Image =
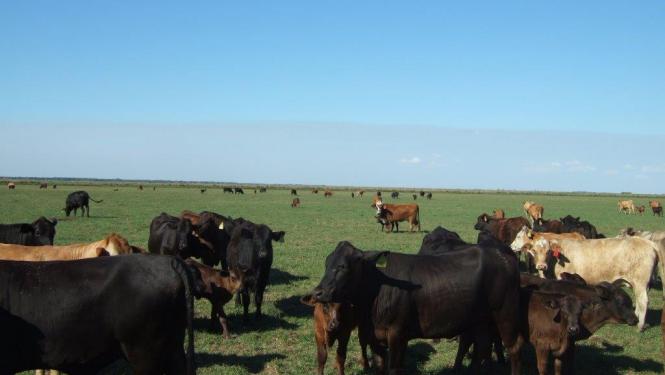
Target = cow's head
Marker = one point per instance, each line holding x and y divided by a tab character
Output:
250	245
567	311
332	312
482	222
344	271
545	253
614	305
44	230
184	236
522	239
231	281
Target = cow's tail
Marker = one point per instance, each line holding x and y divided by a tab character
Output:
186	277
99	201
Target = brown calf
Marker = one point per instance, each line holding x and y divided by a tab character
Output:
216	286
391	214
640	210
334	322
327	193
295	203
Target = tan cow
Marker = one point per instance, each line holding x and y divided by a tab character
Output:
627	207
596	260
533	211
527	236
112	244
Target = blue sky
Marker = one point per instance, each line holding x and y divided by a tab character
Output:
520	95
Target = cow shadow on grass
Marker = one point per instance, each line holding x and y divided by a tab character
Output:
292	306
237	327
590	359
653	318
253	364
416	355
279	277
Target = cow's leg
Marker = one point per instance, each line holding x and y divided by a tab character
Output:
558	366
87	209
222	320
641	303
542	358
244	299
342	343
258	298
482	350
465	341
396	348
321	348
363	349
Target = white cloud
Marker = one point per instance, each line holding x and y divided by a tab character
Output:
411	160
556	166
578	166
653	168
628	167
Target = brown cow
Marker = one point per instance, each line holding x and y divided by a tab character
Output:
505	230
499	214
43	185
532	210
390	215
218	287
656	208
334	322
295	203
549	226
113	244
327	193
315	191
11	186
640	209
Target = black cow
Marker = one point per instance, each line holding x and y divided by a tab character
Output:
294	192
439	241
170	235
79	199
394	195
40	232
228	190
263	190
573	224
215	231
429	195
249	255
403	296
422	193
238	191
135	307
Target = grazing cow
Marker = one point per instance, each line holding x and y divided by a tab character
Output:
170	235
334	322
113	244
238	191
526	237
626	207
394	195
213	233
294	192
40	232
399	296
422	193
632	259
295	203
227	190
391	214
140	187
498	214
327	193
532	210
315	191
95	326
43	185
549	226
415	196
203	191
250	256
79	199
11	186
572	224
263	190
429	195
504	230
360	193
218	287
640	209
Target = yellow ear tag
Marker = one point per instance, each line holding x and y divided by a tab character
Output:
382	262
221	226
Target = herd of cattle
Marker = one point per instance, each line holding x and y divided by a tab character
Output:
137	304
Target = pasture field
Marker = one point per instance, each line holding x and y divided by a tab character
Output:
283	342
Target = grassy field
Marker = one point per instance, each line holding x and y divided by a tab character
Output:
283	342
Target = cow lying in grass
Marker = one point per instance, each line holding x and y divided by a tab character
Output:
113	244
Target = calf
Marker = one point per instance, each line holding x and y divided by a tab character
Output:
295	203
504	230
95	325
212	231
250	256
334	322
415	196
218	287
40	232
45	253
657	211
640	209
79	199
391	214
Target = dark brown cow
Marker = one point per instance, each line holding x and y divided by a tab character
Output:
499	214
334	322
657	211
218	287
505	230
391	214
327	193
549	226
640	209
43	185
315	191
295	203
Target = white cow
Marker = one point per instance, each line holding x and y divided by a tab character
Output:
632	259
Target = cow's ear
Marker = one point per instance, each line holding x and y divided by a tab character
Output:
26	228
308	300
379	258
604	290
485	218
278	236
54	221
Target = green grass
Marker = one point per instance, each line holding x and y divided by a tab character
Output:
283	342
